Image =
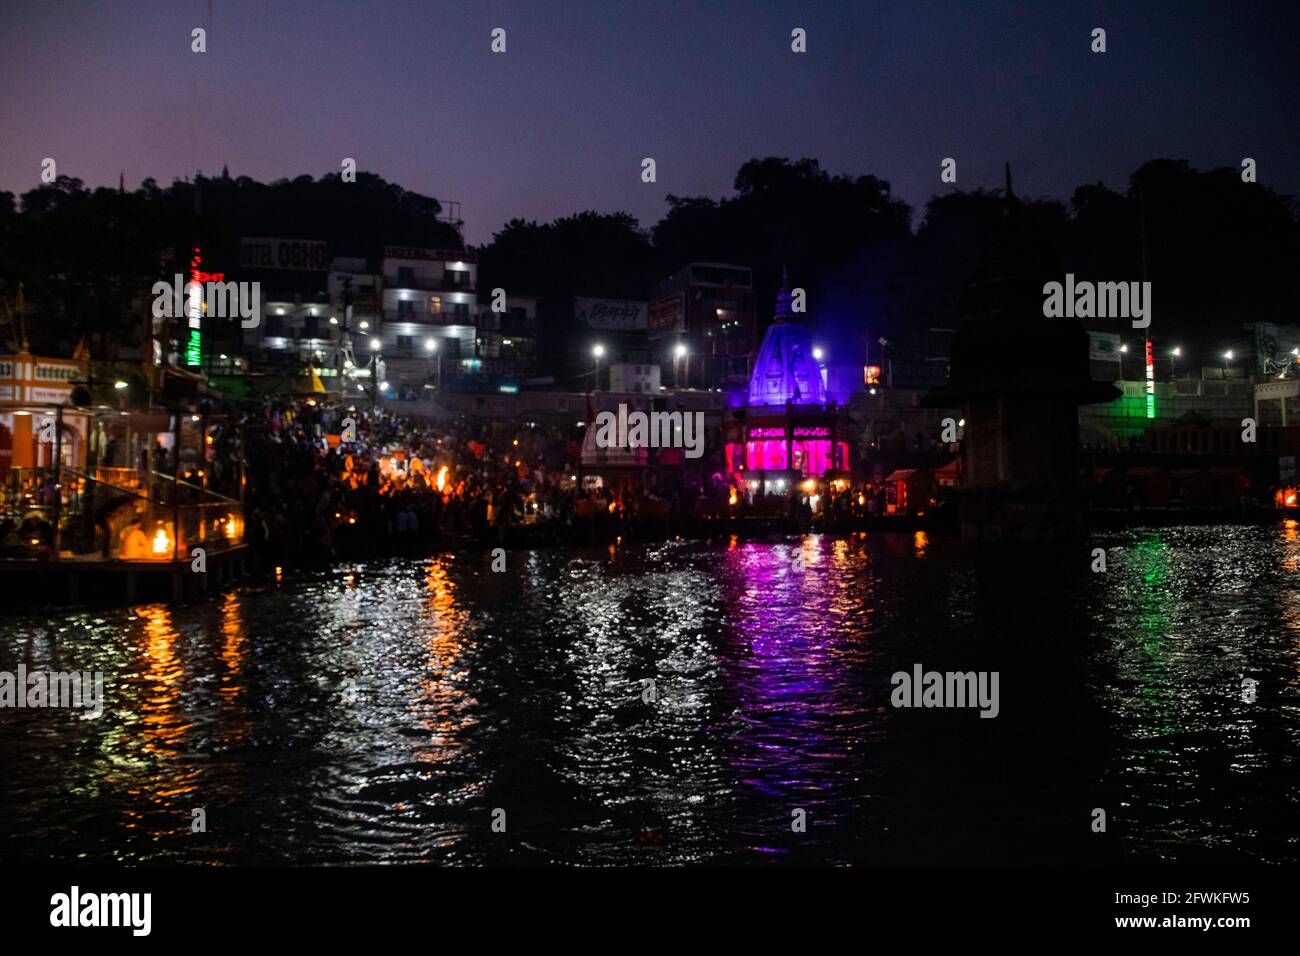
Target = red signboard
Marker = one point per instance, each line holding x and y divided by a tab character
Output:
667	316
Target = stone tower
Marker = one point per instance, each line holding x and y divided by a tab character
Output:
1019	379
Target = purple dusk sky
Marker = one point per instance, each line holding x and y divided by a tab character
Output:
561	121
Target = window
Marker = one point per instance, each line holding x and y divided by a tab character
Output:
435	305
405	307
404	343
458	278
461	310
405	274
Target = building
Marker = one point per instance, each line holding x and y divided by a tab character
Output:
510	334
429	311
785	432
702	318
32	424
636	379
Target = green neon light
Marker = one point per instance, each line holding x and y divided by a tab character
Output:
1151	405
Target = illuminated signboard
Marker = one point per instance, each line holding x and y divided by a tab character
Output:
1151	383
801	431
870	374
194	312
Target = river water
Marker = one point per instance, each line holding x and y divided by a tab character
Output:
391	711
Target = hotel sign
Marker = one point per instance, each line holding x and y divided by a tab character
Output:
430	255
297	255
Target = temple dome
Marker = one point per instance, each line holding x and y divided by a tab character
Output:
785	372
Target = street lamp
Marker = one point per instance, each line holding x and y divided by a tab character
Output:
597	351
1174	353
818	354
375	372
679	353
431	346
1123	350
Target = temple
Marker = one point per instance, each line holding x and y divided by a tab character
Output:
1019	379
786	434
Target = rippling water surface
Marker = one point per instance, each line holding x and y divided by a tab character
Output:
382	712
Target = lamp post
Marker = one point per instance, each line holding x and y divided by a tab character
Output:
1123	350
678	354
431	347
597	351
375	346
1174	353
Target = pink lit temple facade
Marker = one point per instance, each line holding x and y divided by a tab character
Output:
786	432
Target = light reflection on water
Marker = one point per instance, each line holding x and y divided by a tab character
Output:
381	712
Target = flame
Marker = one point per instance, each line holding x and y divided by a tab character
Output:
442	478
161	543
732	497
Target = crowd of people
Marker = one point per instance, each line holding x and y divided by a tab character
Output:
327	480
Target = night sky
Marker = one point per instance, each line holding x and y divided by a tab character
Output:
561	121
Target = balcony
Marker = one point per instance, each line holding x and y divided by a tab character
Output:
444	283
429	318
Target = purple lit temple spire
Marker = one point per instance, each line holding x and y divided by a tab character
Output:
785	372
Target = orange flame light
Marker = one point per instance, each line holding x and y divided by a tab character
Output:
161	542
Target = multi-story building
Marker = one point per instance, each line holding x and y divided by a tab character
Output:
429	302
510	335
703	314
